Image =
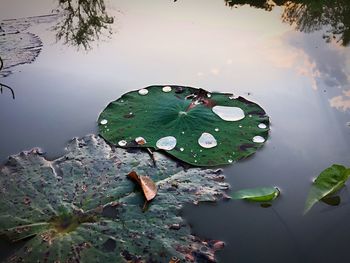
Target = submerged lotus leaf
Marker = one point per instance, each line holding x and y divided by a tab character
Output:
83	208
206	129
330	181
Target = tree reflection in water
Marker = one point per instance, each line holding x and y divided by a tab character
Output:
310	15
82	22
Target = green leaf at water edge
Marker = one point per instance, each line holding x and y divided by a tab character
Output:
83	208
328	182
261	194
187	123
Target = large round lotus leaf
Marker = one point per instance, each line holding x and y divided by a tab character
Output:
198	127
83	208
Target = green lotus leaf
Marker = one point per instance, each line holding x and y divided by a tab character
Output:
193	125
261	194
83	208
330	181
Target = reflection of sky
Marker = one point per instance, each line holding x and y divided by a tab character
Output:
326	65
225	45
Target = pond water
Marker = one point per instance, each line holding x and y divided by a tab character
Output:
299	73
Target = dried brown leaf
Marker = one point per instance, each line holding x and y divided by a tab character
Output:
148	187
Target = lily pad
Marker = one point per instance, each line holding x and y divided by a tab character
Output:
193	125
261	194
82	207
327	183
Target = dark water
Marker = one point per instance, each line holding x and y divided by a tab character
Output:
300	79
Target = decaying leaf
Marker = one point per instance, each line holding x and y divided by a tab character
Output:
148	187
327	183
193	125
82	208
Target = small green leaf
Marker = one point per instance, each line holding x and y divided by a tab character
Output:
261	194
328	182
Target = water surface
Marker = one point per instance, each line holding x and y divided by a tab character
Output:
300	79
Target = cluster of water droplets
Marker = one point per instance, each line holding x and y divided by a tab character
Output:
206	140
144	92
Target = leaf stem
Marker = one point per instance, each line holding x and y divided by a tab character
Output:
3	85
150	152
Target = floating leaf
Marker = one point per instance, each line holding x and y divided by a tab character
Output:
148	187
327	183
261	194
83	208
193	125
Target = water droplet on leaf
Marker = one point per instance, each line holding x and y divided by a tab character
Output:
166	143
122	143
103	122
207	140
182	149
166	89
143	92
258	139
262	126
229	113
217	129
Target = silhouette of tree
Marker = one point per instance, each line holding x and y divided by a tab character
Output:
310	15
82	22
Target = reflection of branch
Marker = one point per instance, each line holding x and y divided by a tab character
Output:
82	21
310	15
3	85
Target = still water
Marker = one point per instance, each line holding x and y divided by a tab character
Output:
299	73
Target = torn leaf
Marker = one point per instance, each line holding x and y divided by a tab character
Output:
82	208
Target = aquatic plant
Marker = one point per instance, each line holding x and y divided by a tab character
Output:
330	181
196	126
260	194
83	207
